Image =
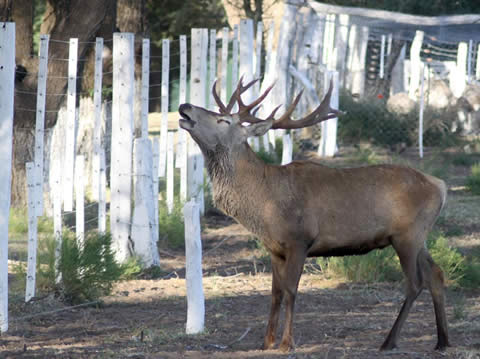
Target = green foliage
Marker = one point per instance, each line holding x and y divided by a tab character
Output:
473	181
448	258
368	120
171	225
463	159
268	157
87	270
375	266
18	222
367	156
131	268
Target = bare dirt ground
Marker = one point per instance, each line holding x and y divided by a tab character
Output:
334	318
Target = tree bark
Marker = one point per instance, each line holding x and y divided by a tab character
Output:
63	20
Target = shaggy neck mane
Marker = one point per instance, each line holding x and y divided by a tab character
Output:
232	192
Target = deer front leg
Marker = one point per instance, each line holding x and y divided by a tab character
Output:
293	270
277	297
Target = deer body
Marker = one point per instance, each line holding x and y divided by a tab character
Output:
305	209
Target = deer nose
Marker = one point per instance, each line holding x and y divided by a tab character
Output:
184	107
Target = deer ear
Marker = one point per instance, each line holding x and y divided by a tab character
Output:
259	129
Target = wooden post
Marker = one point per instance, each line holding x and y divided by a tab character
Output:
212	71
357	44
69	162
102	194
257	64
155	155
193	276
164	124
398	73
142	235
97	130
459	78
182	161
235	57
469	61
40	122
382	57
328	141
32	233
415	64
57	215
287	150
7	81
198	77
341	45
420	115
477	71
79	198
224	69
122	135
145	85
170	173
269	78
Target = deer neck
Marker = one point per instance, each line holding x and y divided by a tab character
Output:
237	178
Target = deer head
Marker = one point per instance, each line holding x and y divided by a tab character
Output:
210	129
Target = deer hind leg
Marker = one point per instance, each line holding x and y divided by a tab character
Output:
277	297
407	251
292	271
434	281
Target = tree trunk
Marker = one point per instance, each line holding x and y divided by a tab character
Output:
63	19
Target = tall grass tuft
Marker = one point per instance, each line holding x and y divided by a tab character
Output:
473	181
171	225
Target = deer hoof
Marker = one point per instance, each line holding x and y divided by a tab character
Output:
442	346
268	345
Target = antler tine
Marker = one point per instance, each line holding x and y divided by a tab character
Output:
221	106
321	113
246	108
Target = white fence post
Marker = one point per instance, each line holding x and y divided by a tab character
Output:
32	233
155	155
40	121
7	81
102	194
193	276
287	151
224	69
420	115
197	97
57	215
235	57
122	134
341	45
212	70
458	78
382	57
357	44
415	63
164	105
143	238
469	61
69	162
477	68
170	173
328	141
183	141
79	198
145	85
97	129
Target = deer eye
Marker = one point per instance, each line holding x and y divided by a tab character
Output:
220	120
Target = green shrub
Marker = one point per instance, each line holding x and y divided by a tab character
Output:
473	181
375	266
171	225
451	261
87	270
268	157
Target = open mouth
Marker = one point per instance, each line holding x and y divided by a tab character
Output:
186	122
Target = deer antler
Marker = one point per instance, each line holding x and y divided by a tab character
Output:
321	113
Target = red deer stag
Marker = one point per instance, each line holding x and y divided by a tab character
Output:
305	209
